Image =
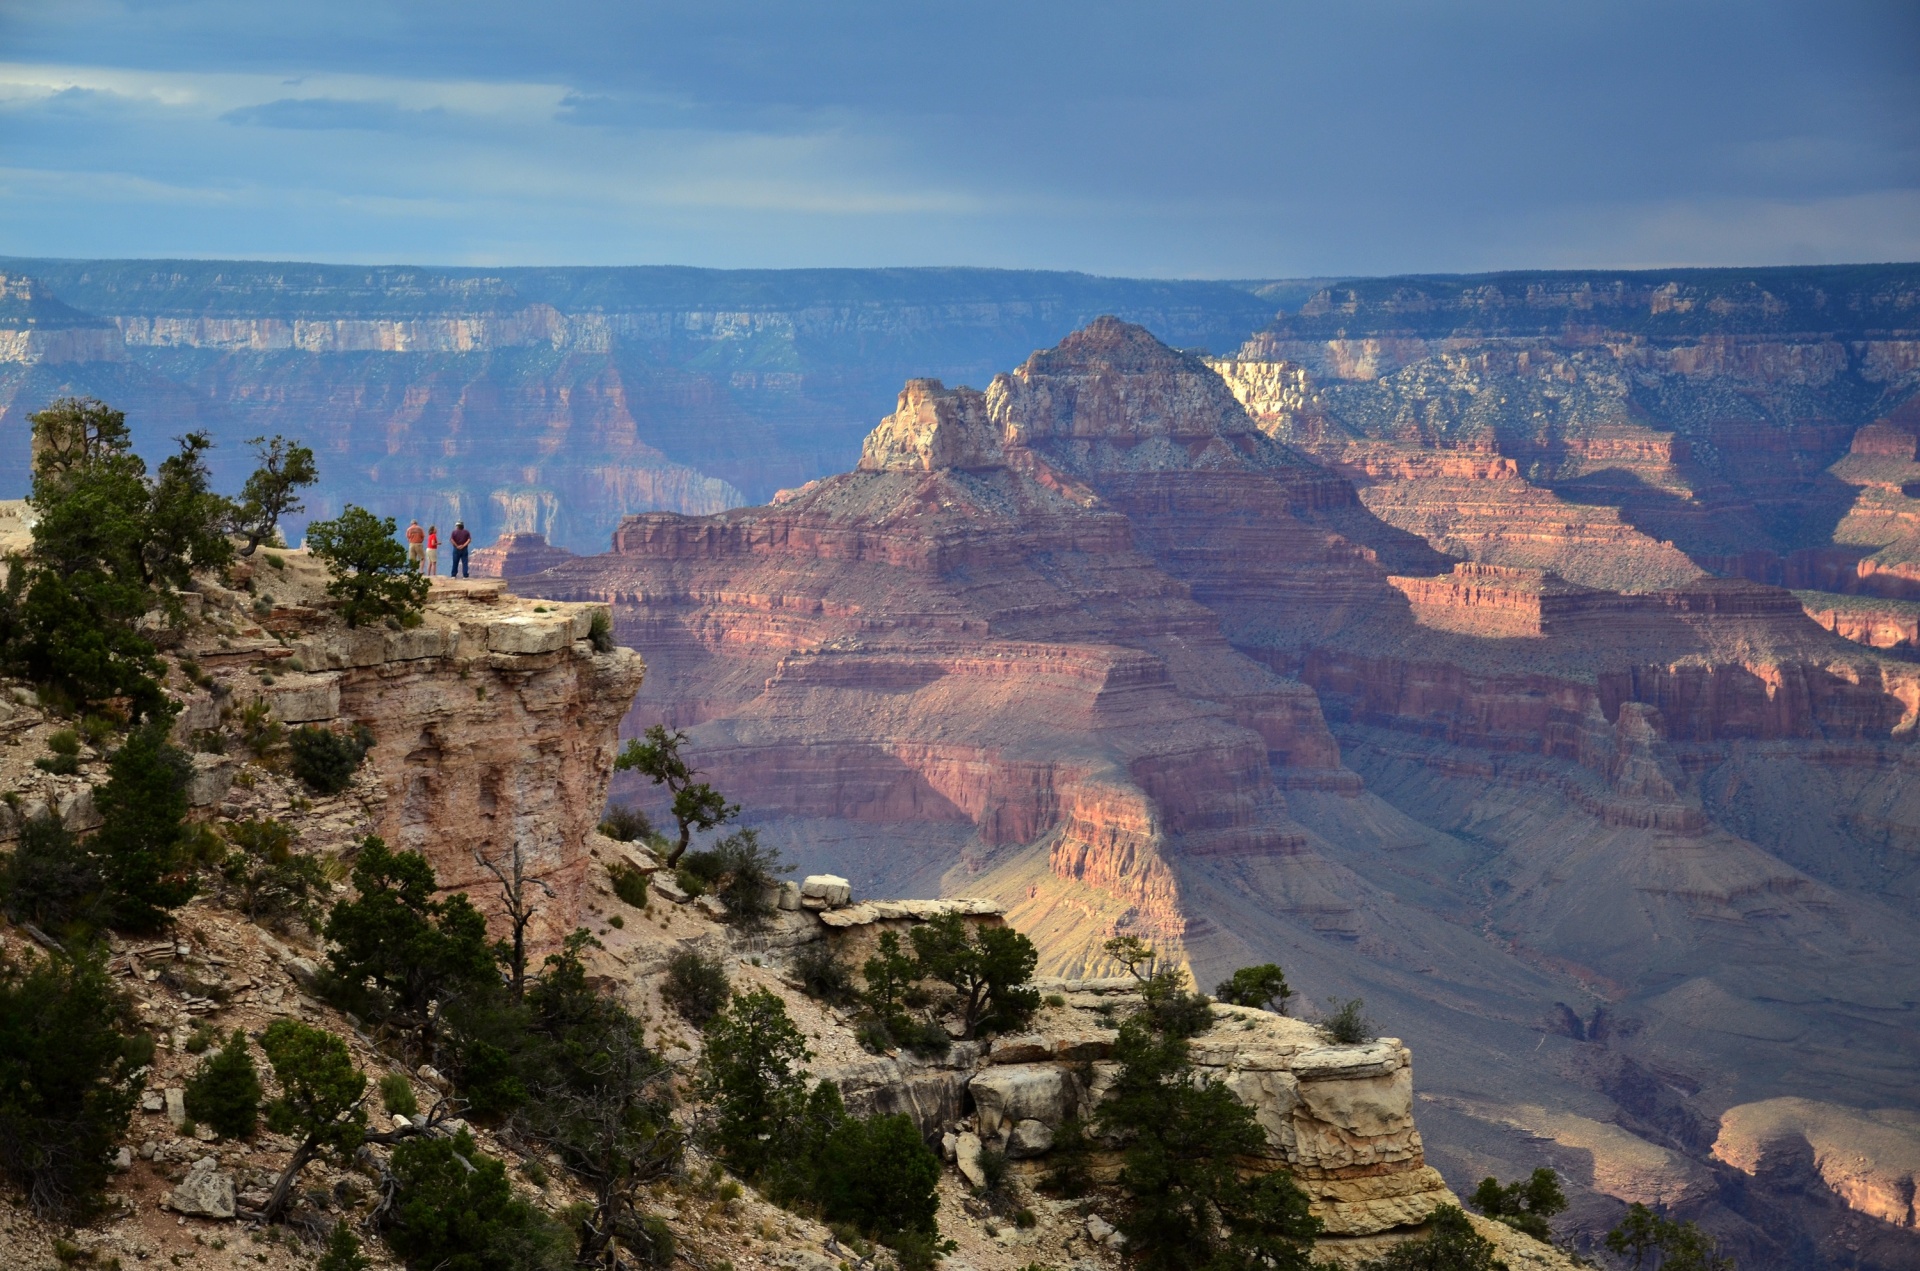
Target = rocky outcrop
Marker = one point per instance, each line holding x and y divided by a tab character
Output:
1869	1160
493	721
515	555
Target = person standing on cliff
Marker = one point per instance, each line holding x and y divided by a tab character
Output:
433	550
460	539
416	544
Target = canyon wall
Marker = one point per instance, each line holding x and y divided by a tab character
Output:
1103	644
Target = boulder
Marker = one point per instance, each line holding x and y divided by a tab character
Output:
176	1097
530	633
966	1158
303	699
789	896
1029	1138
1007	1094
664	884
830	888
713	907
212	778
1020	1048
205	1192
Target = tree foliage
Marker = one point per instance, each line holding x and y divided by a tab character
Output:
1653	1240
696	805
454	1210
1189	1208
1450	1244
325	760
395	947
1525	1205
371	575
71	1065
1263	986
988	967
740	873
319	1105
51	878
749	1073
273	491
267	880
224	1092
696	986
108	543
142	845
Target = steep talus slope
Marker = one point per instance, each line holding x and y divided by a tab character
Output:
1136	660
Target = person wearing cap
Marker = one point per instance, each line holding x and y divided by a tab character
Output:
460	540
416	544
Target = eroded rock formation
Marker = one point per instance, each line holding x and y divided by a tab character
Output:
1098	643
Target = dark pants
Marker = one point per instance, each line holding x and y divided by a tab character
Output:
459	569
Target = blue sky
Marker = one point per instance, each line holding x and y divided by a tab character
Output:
1179	140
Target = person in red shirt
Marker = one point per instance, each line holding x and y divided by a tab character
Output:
460	539
433	550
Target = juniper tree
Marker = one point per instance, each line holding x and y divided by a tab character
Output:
696	805
988	967
371	575
71	1070
273	491
1524	1206
319	1105
1189	1207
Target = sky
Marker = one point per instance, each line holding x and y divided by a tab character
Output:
1190	139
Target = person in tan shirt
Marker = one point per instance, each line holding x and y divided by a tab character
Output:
416	544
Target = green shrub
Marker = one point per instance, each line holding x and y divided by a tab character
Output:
1263	986
824	976
740	873
64	742
1451	1244
626	824
1674	1246
696	987
260	732
70	1075
1173	1009
326	760
748	1073
1524	1206
51	878
395	947
225	1091
265	878
988	967
878	1173
343	1248
1187	1202
59	765
397	1097
371	575
600	632
873	1035
629	883
454	1210
142	845
1072	1150
993	1167
1347	1025
202	1038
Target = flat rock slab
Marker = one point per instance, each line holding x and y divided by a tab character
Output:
205	1192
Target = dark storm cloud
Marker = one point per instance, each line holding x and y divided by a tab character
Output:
1222	139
